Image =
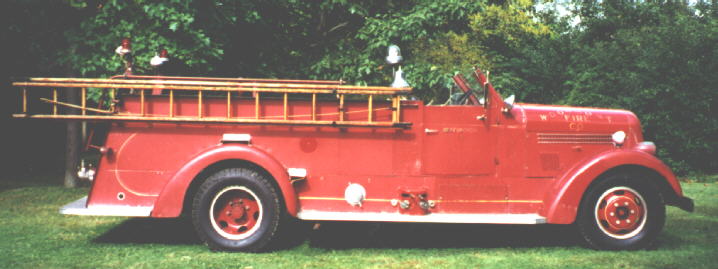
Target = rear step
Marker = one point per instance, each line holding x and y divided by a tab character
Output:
80	207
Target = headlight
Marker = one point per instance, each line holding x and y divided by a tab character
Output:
619	137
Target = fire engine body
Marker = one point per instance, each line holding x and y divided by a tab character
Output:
487	163
465	165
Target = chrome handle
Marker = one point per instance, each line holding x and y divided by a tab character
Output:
431	131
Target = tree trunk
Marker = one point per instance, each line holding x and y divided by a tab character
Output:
72	144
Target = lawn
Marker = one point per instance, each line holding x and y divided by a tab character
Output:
34	235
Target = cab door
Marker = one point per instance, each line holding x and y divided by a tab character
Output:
459	152
457	142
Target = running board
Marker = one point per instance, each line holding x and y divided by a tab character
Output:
80	207
430	218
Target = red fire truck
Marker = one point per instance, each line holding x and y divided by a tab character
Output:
244	157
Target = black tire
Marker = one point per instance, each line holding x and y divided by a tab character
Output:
237	209
621	212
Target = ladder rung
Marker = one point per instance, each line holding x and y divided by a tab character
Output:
256	105
229	104
84	101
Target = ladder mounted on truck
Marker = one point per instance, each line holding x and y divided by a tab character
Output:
238	92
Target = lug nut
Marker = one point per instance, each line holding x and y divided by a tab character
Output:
628	221
625	203
633	211
618	222
611	214
615	204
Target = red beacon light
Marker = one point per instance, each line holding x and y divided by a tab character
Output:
125	52
124	48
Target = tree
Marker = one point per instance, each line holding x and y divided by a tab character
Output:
658	60
32	36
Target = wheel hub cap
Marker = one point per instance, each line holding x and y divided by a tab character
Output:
620	212
235	212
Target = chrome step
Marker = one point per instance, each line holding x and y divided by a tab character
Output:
79	207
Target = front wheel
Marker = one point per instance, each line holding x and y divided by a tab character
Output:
621	211
237	209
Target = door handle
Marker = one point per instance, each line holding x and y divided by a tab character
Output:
431	131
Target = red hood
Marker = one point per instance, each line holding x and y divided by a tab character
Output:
566	119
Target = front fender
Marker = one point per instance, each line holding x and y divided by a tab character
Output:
170	201
562	200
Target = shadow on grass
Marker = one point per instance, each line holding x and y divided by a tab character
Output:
151	231
341	235
420	235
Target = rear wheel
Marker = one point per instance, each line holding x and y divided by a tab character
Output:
622	211
237	209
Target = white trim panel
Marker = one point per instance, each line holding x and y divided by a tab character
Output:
297	172
236	138
430	218
79	207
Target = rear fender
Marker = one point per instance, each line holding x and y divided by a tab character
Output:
562	201
171	200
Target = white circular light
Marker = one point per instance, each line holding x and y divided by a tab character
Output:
354	194
619	137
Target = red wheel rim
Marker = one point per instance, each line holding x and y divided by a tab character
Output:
621	212
236	212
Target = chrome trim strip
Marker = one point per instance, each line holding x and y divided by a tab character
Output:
430	218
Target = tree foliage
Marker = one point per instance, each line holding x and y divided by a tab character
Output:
654	58
659	61
151	25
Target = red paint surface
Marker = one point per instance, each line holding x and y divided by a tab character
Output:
467	159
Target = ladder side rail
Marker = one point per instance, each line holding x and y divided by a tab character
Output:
222	120
298	81
358	90
212	83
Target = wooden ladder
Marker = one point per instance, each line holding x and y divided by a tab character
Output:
231	87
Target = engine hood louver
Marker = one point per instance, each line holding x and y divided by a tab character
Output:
552	138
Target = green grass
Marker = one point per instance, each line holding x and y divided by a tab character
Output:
34	235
